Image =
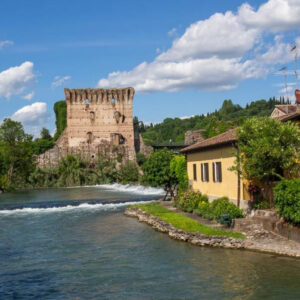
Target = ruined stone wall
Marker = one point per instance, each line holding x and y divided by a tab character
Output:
97	119
193	136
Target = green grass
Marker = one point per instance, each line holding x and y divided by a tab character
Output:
182	222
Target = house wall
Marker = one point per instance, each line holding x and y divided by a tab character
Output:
229	185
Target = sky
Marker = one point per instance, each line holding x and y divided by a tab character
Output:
183	57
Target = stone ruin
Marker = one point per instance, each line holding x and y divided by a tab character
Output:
193	136
99	122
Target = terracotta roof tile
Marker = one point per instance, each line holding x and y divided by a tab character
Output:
290	108
224	138
289	116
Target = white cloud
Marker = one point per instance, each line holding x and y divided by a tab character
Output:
33	117
274	15
29	96
6	43
15	80
157	50
172	32
60	80
216	53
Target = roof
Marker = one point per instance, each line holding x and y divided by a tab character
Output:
289	116
221	139
287	108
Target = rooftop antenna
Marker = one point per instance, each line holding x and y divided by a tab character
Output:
294	49
283	70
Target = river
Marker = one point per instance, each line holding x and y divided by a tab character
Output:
75	243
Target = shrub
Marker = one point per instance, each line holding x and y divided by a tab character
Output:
140	158
287	200
189	200
223	206
129	172
204	209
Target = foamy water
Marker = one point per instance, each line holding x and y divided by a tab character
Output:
81	207
127	188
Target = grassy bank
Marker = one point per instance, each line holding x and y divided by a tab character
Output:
182	222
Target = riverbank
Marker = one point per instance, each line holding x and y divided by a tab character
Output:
258	240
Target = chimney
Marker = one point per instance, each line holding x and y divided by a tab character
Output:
297	95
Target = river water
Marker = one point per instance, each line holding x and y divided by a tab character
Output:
75	243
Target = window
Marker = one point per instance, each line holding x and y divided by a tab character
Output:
217	171
204	172
195	172
89	137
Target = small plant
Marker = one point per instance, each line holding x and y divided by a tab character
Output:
287	200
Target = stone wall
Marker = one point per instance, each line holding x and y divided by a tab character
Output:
193	136
98	120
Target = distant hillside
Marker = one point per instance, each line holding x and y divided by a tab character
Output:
171	131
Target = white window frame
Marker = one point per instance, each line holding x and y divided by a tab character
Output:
204	172
217	171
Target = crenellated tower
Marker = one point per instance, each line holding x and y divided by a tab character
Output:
98	121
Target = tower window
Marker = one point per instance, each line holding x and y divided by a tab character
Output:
89	137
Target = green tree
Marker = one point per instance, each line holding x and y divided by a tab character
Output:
179	168
45	134
16	152
157	171
269	149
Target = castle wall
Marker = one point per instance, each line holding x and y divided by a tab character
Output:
97	119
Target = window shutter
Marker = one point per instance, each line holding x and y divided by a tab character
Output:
202	177
195	171
207	172
220	172
214	172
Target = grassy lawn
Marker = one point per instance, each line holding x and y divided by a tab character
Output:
182	222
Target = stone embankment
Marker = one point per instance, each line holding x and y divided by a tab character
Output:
257	238
181	235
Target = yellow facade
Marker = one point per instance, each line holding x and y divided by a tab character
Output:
229	185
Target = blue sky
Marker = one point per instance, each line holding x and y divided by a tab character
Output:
182	57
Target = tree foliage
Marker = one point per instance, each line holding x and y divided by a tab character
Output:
171	131
179	168
157	171
16	155
269	149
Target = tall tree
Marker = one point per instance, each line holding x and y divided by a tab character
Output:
16	149
269	150
157	171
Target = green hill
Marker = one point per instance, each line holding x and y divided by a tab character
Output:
171	131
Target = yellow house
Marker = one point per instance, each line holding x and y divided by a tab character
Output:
208	164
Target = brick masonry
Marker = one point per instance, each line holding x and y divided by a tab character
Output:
99	121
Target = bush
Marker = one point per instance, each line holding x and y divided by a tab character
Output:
287	200
189	200
204	209
129	172
140	158
223	206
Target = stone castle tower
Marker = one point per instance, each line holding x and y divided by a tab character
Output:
98	121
